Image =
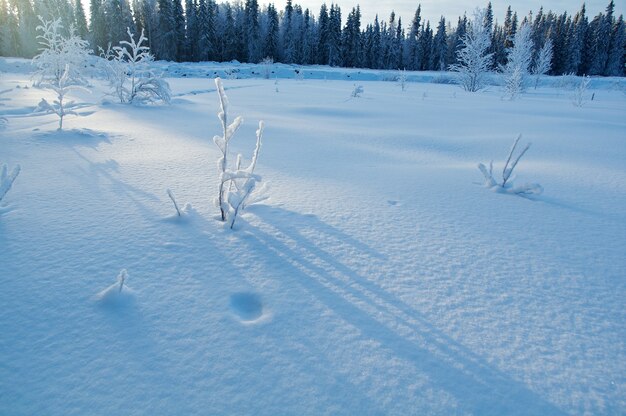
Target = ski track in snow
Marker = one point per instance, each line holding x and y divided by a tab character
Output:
378	279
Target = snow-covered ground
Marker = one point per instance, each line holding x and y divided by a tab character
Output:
380	278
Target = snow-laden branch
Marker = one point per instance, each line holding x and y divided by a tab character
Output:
506	185
238	186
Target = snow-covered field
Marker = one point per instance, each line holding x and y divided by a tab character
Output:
380	278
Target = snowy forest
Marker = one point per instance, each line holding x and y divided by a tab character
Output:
202	30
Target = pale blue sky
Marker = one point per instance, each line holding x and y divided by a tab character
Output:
451	9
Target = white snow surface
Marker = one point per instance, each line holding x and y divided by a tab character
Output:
381	277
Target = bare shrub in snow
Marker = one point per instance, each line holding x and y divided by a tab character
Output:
59	54
129	73
238	186
506	185
580	92
179	212
7	179
518	61
117	292
473	60
357	91
61	88
544	61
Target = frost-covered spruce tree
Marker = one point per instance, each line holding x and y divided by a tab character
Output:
60	106
130	75
473	58
519	57
238	186
543	64
506	185
7	179
58	53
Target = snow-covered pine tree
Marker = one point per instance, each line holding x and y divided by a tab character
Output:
440	47
252	31
98	35
473	59
270	46
322	44
81	20
334	36
601	41
617	53
413	60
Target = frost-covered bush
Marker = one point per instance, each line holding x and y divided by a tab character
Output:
130	75
519	57
7	179
238	185
61	88
506	185
580	92
59	54
357	91
266	67
402	79
473	57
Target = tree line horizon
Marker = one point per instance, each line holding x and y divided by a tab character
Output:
203	30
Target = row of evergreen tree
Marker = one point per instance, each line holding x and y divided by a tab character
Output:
203	30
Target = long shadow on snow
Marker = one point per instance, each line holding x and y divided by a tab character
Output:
478	387
103	169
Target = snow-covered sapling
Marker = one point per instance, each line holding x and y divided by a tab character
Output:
518	61
543	64
6	179
238	186
59	54
357	91
509	166
580	92
59	106
129	73
473	58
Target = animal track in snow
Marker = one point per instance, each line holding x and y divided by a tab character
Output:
248	306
